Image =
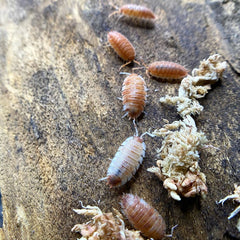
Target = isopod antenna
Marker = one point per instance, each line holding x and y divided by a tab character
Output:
115	12
148	133
172	229
135	126
144	66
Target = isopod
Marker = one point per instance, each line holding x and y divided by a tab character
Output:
134	92
126	161
143	217
122	47
166	70
135	11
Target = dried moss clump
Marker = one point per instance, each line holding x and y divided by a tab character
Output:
196	86
104	226
178	167
179	155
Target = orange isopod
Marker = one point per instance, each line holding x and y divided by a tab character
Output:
134	94
122	46
167	70
143	216
135	11
126	161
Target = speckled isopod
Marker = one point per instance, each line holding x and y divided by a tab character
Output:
135	11
143	216
126	161
134	95
122	46
166	70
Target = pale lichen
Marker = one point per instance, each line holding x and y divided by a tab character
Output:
178	166
104	226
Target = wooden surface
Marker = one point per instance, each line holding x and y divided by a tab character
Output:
61	119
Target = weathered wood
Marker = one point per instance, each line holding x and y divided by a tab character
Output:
61	119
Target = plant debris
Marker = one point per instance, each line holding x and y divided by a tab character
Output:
104	226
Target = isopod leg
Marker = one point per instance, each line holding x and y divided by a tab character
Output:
124	65
125	114
147	73
113	13
138	63
119	17
137	68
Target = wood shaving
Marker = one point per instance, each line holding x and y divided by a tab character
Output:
104	226
179	155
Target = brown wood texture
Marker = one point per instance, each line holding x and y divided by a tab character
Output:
61	119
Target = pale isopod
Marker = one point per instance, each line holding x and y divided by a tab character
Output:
167	70
126	161
122	47
134	95
135	11
143	216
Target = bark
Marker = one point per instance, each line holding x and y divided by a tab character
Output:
61	119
